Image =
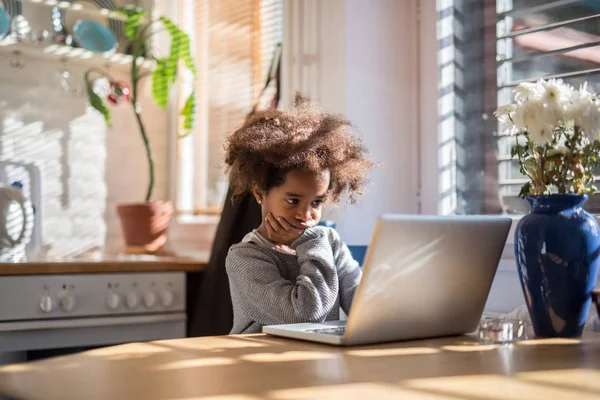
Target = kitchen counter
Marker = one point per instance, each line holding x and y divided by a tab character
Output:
109	264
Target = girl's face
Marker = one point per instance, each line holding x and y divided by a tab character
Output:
299	200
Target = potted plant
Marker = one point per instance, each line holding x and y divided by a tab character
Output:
145	224
556	129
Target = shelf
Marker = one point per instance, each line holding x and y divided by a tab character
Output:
68	5
76	55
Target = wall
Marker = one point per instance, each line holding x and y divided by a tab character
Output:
349	55
126	163
42	123
87	168
377	62
314	56
381	92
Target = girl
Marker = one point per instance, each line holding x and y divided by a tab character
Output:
290	270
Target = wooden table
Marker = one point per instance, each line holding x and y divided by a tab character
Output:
124	264
257	366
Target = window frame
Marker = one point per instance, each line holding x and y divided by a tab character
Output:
430	90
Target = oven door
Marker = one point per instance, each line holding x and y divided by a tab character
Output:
80	332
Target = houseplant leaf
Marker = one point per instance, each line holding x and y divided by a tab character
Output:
189	114
174	32
186	54
134	20
180	49
97	102
132	25
163	76
160	83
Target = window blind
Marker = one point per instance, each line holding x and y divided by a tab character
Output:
234	41
542	39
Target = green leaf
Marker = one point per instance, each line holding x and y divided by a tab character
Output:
525	189
180	48
97	102
186	54
134	19
160	83
189	114
174	32
130	9
132	25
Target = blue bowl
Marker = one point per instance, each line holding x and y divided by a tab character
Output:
4	22
94	36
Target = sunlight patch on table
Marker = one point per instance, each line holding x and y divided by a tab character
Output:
407	351
495	387
288	356
195	363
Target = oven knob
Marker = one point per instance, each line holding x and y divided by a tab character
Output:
47	304
166	298
113	301
149	299
67	303
132	300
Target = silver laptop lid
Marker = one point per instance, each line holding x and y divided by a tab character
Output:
426	276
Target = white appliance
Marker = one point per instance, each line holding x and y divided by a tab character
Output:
76	310
16	222
27	176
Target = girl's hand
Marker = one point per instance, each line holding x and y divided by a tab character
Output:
279	231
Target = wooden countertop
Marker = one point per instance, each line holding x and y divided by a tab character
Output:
106	265
251	367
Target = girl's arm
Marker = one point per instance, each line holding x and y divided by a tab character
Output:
267	298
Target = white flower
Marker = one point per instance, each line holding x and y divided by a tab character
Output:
590	124
556	92
540	133
506	109
504	114
518	117
557	97
584	111
542	107
526	91
537	119
579	103
551	112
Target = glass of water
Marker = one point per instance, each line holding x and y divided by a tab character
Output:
502	331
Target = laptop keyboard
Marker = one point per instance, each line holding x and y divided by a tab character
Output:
337	331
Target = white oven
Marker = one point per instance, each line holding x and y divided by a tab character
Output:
40	312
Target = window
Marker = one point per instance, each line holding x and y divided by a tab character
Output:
234	42
487	47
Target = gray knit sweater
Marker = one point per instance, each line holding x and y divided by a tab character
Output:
270	287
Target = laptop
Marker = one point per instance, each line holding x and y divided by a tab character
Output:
423	276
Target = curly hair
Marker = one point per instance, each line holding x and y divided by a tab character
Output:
271	143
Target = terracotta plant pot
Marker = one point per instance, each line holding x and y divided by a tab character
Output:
145	226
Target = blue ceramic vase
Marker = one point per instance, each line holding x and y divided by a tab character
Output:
556	250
